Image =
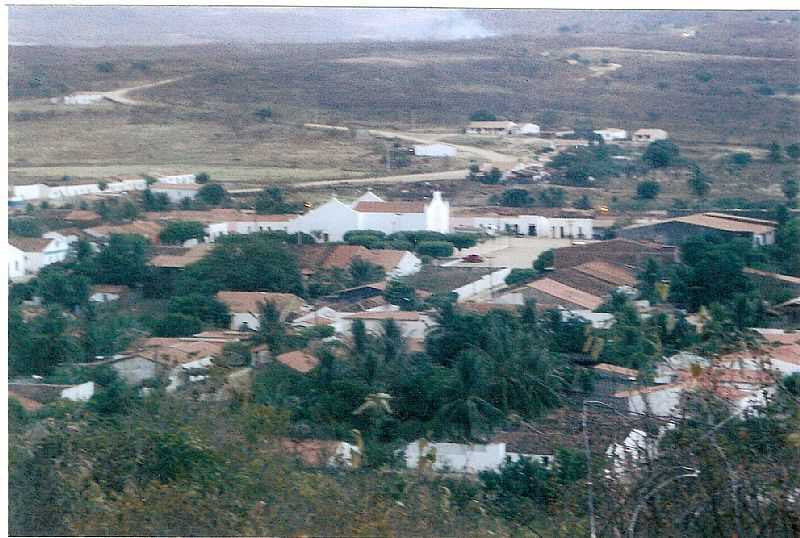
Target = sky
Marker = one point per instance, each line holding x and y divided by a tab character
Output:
141	25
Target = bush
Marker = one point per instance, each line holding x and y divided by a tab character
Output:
741	159
25	227
175	325
516	198
462	240
552	197
176	233
648	190
582	203
793	151
204	307
365	238
703	76
202	178
212	193
520	276
264	113
482	115
437	249
661	153
104	67
546	259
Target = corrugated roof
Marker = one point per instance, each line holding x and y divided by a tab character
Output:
390	207
727	223
397	315
566	293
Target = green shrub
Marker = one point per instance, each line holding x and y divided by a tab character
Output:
437	249
520	276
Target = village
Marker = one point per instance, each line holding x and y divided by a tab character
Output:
572	262
300	272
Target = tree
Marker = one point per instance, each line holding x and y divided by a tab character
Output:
39	346
516	198
253	262
493	177
364	272
582	203
212	193
271	329
264	113
176	233
648	278
401	295
661	154
741	159
271	201
361	339
699	182
544	260
466	410
552	197
462	240
175	325
775	155
25	226
437	249
202	178
392	340
123	260
104	67
791	188
206	308
520	276
482	115
647	190
793	151
155	202
55	284
102	185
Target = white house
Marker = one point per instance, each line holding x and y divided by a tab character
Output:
645	136
41	191
612	134
331	220
175	179
434	150
492	128
82	99
16	262
659	400
79	393
176	191
411	324
530	129
38	252
492	222
454	457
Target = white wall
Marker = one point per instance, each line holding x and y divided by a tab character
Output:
485	283
662	403
16	262
332	217
135	370
79	393
175	195
392	222
409	264
238	319
457	457
409	329
180	179
437	214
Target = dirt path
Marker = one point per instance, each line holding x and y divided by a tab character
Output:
121	96
697	55
491	156
408	178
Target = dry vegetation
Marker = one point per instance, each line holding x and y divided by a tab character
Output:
705	90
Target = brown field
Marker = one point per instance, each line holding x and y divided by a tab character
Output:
206	121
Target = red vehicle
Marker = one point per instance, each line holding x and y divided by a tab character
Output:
472	258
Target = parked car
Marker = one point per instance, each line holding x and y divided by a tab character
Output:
472	258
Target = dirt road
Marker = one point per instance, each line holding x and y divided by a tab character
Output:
696	55
494	157
408	178
121	96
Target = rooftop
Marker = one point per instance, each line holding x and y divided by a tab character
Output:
250	301
491	124
298	360
566	293
390	207
148	229
397	315
29	244
189	257
727	223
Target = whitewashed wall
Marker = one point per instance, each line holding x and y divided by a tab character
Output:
485	283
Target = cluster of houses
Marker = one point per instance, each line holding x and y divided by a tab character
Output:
68	191
609	135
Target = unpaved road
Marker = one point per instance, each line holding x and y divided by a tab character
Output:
491	156
697	55
121	96
408	178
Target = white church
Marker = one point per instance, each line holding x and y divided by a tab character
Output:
331	220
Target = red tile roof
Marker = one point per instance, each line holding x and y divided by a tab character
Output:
194	254
29	244
298	360
608	272
81	215
566	293
250	301
145	228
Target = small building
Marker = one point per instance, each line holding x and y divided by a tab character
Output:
520	221
411	324
455	457
435	150
245	306
619	252
106	293
530	129
676	230
176	191
396	263
496	128
612	134
552	292
646	136
28	255
147	229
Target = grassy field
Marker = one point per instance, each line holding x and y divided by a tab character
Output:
711	91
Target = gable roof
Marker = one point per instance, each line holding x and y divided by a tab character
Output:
390	207
194	254
341	256
727	223
29	244
249	301
397	315
608	272
566	293
145	228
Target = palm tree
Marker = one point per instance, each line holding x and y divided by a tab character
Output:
467	409
393	341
